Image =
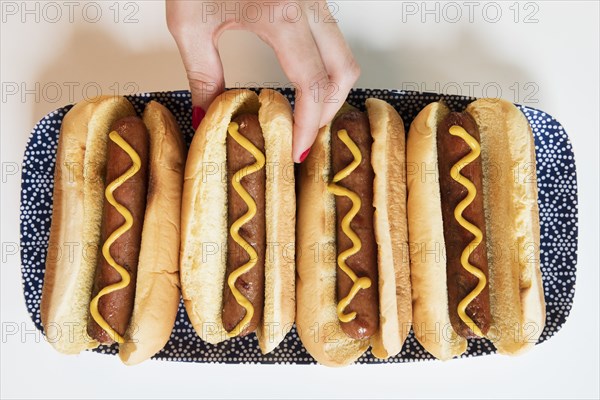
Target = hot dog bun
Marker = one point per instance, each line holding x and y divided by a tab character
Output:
204	217
316	318
76	222
512	224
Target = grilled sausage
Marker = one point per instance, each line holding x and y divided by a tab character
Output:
363	263
116	307
451	149
251	284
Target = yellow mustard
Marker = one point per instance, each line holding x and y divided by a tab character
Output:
456	130
125	277
233	130
337	190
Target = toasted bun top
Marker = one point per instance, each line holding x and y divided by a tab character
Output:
391	231
511	210
157	289
76	220
204	216
275	117
431	320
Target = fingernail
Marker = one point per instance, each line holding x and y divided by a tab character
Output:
197	116
304	155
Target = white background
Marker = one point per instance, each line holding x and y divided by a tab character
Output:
553	61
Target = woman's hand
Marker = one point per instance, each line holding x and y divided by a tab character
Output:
306	40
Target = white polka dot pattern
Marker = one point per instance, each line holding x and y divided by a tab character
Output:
558	217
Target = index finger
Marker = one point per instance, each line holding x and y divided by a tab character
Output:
301	61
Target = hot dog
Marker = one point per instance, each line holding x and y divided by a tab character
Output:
238	236
353	288
470	217
123	196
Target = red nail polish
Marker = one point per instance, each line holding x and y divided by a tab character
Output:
197	116
304	155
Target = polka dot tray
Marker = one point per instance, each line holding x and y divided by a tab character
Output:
557	183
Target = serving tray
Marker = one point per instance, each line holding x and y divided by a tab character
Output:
557	183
